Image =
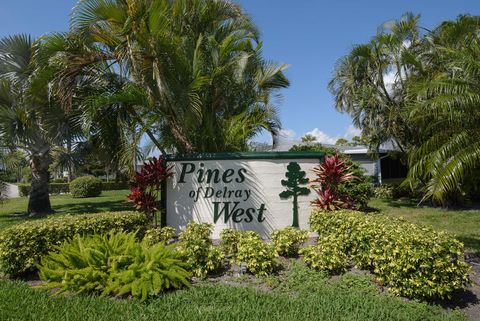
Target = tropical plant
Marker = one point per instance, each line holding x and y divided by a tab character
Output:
147	185
200	80
446	109
370	83
160	235
27	115
329	175
113	264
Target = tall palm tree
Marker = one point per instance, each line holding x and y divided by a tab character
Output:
198	63
370	82
24	116
446	107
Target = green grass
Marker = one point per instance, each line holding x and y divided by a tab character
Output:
13	210
465	224
302	295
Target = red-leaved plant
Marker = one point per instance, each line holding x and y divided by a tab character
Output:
330	174
146	187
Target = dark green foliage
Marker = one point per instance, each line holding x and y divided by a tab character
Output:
295	178
197	249
86	186
62	188
22	246
410	260
113	264
359	190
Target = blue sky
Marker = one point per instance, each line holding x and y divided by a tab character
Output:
309	35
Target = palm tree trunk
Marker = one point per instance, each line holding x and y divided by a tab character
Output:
39	200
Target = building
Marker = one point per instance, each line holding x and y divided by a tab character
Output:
383	168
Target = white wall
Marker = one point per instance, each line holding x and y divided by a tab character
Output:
262	185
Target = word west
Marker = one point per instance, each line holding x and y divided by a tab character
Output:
236	213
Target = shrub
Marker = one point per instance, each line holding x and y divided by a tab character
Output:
258	255
411	260
197	249
359	190
229	239
54	188
86	186
384	191
113	264
22	246
160	235
287	241
146	187
63	188
327	255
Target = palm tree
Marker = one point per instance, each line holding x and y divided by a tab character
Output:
447	110
24	116
369	82
205	84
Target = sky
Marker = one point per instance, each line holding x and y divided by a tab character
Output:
308	35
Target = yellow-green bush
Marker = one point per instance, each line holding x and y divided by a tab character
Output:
160	235
229	239
196	248
258	255
411	260
113	264
22	246
287	241
327	255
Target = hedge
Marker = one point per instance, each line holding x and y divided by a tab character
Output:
62	188
85	186
22	246
411	260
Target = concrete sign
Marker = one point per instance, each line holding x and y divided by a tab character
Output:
245	191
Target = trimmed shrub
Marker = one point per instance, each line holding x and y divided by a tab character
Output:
63	188
327	255
197	250
287	241
160	235
54	188
410	260
22	246
113	264
86	186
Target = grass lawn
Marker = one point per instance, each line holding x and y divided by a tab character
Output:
465	224
302	294
12	211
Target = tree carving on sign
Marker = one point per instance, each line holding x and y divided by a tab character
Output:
295	177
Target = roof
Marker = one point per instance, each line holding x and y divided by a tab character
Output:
285	145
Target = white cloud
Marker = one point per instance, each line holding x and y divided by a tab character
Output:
287	134
322	137
352	131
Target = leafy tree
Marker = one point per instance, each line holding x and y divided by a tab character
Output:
295	178
307	138
341	141
198	78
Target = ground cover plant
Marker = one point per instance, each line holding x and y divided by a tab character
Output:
113	264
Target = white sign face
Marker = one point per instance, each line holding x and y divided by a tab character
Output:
262	195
